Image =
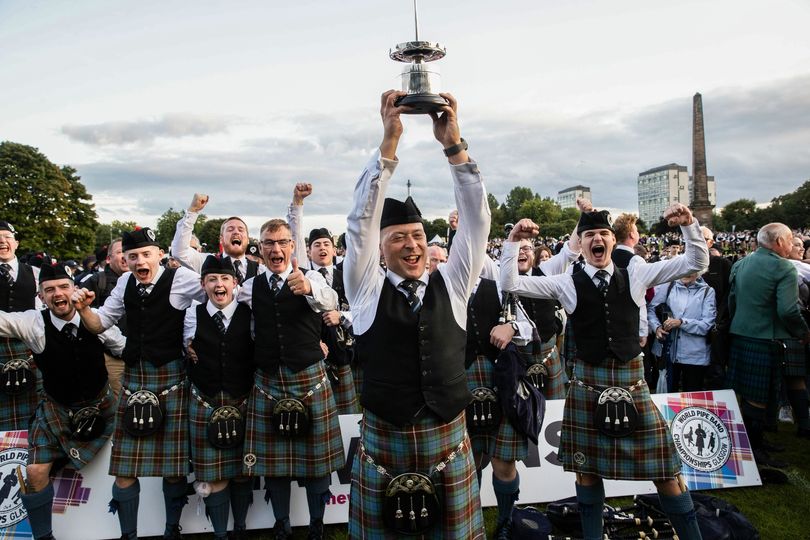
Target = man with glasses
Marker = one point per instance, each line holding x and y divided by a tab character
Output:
292	428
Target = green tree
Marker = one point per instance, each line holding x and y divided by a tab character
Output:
514	200
541	211
437	226
107	232
740	213
48	205
167	225
498	220
209	234
792	209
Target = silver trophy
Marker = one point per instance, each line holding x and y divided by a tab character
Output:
420	79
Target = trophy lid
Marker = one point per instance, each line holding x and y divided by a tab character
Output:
410	50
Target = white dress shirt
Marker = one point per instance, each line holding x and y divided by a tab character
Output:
190	322
29	327
321	298
362	275
14	270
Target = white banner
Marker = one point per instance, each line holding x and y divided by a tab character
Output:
707	429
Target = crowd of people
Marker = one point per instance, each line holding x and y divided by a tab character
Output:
236	365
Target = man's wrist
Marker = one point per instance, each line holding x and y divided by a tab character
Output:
456	147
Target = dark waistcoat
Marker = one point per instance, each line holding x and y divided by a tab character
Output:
224	362
72	371
339	354
412	361
483	312
287	331
154	326
542	312
621	257
21	295
605	325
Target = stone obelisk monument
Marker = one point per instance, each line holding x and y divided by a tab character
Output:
701	206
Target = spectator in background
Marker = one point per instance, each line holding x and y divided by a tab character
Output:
436	255
541	255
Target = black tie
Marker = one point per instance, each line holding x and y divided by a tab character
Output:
143	290
274	279
602	277
411	286
325	273
5	272
67	330
219	320
237	265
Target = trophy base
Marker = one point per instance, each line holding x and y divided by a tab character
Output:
421	103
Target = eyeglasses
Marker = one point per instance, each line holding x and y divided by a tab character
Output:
284	242
526	249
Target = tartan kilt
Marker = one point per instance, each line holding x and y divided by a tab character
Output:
17	412
345	394
755	368
50	440
415	448
646	454
209	463
166	453
315	455
546	352
357	375
505	443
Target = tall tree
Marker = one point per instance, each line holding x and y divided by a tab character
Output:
107	232
209	234
167	225
514	200
741	214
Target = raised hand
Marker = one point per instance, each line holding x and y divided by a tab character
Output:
524	230
584	205
392	124
198	202
678	214
82	299
297	282
301	191
445	127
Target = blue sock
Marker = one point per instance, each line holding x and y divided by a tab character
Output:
39	506
681	513
241	499
175	497
506	493
217	507
125	502
279	491
591	502
317	495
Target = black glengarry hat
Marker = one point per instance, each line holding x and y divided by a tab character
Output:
398	213
6	226
589	221
217	265
318	234
50	272
139	238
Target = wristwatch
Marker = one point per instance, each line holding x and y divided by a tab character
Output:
456	148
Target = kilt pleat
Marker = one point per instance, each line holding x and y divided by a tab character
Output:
166	453
756	366
50	439
505	443
345	394
210	463
646	454
415	448
315	455
17	412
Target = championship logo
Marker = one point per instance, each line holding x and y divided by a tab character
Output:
11	507
701	438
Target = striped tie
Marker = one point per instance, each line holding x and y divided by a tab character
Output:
602	277
219	320
411	286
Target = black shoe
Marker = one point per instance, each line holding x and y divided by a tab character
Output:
174	533
771	447
772	476
315	530
765	460
504	530
282	530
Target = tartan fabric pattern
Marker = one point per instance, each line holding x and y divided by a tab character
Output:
49	438
415	448
357	375
555	382
166	453
646	454
16	412
315	455
505	443
209	463
756	368
345	394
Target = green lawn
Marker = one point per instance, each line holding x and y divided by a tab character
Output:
779	512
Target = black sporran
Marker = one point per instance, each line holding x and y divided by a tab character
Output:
411	505
87	424
615	414
291	417
226	427
143	415
484	412
17	377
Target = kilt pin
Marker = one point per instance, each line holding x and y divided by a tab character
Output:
415	448
166	453
315	455
647	454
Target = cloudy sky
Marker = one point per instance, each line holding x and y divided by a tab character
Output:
152	101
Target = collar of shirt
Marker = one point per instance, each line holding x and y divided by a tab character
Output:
243	260
626	248
15	266
330	268
283	275
159	273
60	323
592	270
228	310
396	279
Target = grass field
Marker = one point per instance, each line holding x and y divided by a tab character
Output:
778	512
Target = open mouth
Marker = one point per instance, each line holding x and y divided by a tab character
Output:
522	258
236	241
60	303
412	260
220	294
275	261
142	273
598	251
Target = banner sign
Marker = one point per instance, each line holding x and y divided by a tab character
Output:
706	427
